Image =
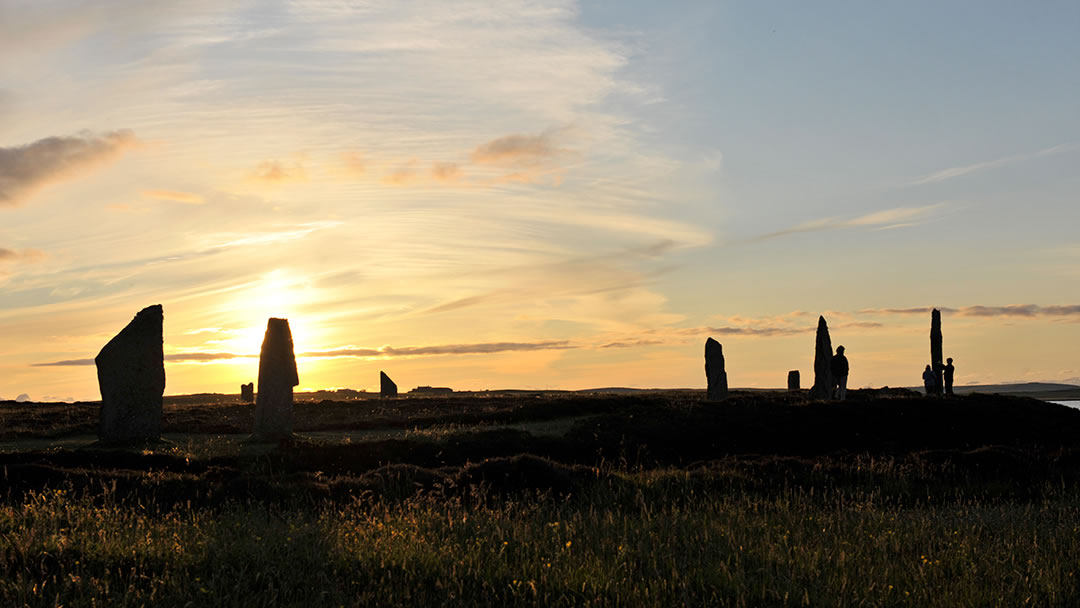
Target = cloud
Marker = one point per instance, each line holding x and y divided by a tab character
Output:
631	343
402	175
361	353
275	171
25	256
898	217
446	172
26	169
354	163
174	196
516	150
1026	311
448	349
946	174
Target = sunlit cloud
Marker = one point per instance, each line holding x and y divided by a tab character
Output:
447	172
276	171
174	196
516	150
26	169
28	256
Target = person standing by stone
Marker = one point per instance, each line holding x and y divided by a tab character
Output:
277	377
948	371
929	379
839	368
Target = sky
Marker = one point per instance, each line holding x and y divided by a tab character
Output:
533	194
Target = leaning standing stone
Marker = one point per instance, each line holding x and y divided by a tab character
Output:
131	376
715	373
277	377
387	387
823	380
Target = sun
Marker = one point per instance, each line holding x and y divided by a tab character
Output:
275	294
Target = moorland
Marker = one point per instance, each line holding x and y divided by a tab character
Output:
641	499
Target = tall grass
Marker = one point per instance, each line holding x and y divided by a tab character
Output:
654	539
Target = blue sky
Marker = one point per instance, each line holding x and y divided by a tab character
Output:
539	194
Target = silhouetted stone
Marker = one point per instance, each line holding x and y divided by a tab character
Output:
936	356
247	392
793	380
131	376
823	380
714	369
387	388
277	377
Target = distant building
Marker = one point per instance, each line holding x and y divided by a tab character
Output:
431	390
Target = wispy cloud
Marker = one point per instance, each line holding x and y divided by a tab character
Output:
26	169
187	198
1029	311
897	217
358	353
952	172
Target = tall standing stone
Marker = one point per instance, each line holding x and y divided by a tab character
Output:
793	380
247	392
936	357
387	388
823	380
715	373
277	377
131	376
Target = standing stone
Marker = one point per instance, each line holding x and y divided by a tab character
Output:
823	353
131	376
793	380
714	370
277	377
936	358
247	392
387	388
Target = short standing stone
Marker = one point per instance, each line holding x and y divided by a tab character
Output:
793	380
387	388
131	375
247	392
277	377
823	380
715	373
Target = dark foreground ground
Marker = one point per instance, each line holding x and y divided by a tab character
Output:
645	499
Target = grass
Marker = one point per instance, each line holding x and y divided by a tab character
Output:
620	502
654	539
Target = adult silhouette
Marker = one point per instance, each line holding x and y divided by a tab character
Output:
948	370
839	367
929	379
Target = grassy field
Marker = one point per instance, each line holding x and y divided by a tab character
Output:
663	500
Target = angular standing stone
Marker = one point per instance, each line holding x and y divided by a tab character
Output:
247	392
793	380
131	375
277	377
936	357
387	388
715	373
823	353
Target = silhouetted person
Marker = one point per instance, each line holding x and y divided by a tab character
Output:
839	367
929	379
948	369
